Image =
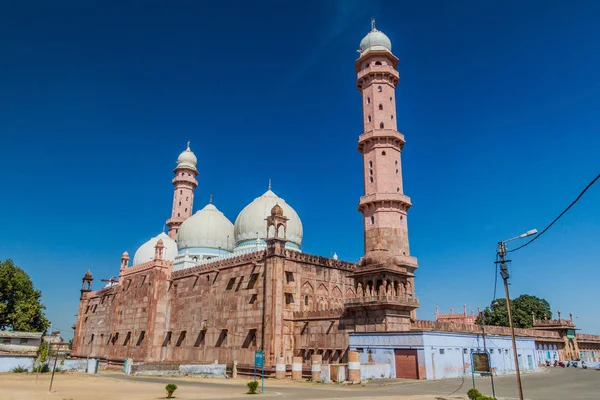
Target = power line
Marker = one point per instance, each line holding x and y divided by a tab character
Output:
559	216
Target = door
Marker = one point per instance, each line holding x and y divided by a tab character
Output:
406	364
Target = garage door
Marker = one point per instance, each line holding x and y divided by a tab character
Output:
406	364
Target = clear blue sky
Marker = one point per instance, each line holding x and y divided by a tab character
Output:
498	102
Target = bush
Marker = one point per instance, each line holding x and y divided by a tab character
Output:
475	394
170	388
252	386
42	368
18	369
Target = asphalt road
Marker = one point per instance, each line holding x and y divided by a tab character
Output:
551	384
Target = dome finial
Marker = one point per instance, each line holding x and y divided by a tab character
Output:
269	183
210	199
188	143
373	28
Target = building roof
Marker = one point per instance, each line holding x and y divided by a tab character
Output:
21	335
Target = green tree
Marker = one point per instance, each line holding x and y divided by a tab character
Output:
522	308
20	306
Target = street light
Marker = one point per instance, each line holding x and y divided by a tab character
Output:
504	273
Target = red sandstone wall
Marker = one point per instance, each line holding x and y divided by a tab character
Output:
111	321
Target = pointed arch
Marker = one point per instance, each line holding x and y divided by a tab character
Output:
336	293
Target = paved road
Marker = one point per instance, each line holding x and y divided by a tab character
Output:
552	384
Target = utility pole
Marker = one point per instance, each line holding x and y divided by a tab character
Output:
505	276
482	323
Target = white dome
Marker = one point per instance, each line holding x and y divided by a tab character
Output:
146	251
187	158
207	228
252	220
375	40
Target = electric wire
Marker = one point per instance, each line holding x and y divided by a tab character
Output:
559	216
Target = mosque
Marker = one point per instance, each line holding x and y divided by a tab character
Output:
210	289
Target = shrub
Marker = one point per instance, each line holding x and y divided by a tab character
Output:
252	386
475	394
42	368
18	369
170	388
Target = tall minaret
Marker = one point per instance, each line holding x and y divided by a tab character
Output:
387	266
183	198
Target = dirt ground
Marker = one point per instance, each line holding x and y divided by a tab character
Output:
79	386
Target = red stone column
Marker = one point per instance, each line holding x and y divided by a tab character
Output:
297	368
353	366
315	367
280	368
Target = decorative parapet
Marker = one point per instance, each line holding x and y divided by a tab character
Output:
315	315
101	292
217	263
421	325
164	264
401	302
585	337
547	323
319	260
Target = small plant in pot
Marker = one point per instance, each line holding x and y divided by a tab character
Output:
170	388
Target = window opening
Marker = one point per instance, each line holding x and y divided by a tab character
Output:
380	107
252	281
180	339
289	298
127	339
372	220
167	340
381	125
289	277
379	88
141	338
250	339
230	284
222	338
200	338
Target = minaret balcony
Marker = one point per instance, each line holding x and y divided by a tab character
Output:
385	137
382	198
404	303
379	69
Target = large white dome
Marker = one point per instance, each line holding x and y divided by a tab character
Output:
187	159
375	40
206	229
146	251
252	220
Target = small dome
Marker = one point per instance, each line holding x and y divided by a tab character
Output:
206	229
187	159
375	40
145	253
251	221
88	274
277	211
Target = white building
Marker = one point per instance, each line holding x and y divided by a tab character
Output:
438	355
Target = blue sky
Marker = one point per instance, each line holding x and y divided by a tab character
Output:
498	102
